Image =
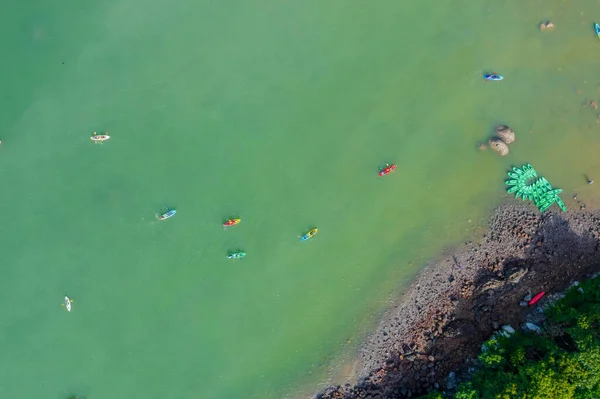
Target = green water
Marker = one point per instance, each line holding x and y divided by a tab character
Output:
281	113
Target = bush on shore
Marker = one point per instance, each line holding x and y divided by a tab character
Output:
561	363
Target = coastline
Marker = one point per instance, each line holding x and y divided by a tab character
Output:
438	324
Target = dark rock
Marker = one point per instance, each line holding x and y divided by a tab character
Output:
451	381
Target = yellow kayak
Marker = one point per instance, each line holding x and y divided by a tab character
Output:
309	234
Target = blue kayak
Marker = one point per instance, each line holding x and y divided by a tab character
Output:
493	76
597	28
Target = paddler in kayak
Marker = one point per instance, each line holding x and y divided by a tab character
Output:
99	138
236	255
492	76
387	169
231	222
310	234
67	303
167	214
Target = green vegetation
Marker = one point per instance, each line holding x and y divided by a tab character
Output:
561	363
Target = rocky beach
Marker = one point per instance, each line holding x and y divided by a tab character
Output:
436	328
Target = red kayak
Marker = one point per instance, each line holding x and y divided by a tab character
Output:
388	169
536	298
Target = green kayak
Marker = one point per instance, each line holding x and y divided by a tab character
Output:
236	255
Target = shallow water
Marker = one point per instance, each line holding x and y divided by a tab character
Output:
277	112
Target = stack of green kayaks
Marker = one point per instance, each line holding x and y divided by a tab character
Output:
525	184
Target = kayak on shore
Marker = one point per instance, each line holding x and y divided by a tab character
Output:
310	234
168	214
387	169
231	222
536	298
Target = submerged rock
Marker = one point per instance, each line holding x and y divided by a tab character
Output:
498	146
546	25
506	134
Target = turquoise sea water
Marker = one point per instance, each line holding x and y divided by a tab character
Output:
277	112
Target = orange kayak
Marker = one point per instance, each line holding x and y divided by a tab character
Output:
387	170
231	222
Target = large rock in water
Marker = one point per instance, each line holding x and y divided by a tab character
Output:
499	146
506	134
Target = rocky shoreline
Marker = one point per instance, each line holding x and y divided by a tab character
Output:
454	305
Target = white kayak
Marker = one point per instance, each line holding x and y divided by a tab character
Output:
68	304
